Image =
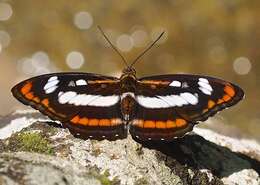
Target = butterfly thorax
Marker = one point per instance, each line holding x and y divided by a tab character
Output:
128	88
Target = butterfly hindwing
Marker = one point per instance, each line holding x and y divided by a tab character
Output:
170	105
88	104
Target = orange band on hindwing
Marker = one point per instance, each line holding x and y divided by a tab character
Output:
152	124
95	122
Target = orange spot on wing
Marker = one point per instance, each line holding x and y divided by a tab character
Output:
229	90
115	121
138	123
170	124
180	122
211	104
75	119
160	124
104	122
83	121
93	122
226	98
36	99
45	102
220	101
29	95
26	88
149	124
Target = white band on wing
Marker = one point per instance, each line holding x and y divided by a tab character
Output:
168	101
72	97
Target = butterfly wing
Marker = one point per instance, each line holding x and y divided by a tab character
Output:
87	104
170	105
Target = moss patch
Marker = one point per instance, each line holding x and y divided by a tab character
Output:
104	177
34	142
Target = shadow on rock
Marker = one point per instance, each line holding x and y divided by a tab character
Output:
198	153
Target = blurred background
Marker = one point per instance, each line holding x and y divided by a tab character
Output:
218	38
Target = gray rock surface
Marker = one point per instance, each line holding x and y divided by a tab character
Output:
40	152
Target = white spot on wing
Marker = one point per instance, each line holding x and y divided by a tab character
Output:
205	91
175	84
192	99
204	86
174	100
179	101
151	102
71	84
105	101
53	78
51	84
168	101
81	82
51	89
77	100
184	85
71	97
60	93
67	96
87	98
203	80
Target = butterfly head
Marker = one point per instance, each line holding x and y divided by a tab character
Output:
128	72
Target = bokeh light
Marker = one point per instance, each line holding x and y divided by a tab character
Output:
25	66
83	20
4	38
75	60
242	65
5	11
140	38
41	58
124	42
38	64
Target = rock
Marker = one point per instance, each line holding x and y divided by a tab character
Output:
44	153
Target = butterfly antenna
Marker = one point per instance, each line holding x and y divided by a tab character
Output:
148	48
123	58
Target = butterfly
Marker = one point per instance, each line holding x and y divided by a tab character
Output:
94	106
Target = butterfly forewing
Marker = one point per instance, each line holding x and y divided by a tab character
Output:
88	104
170	105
